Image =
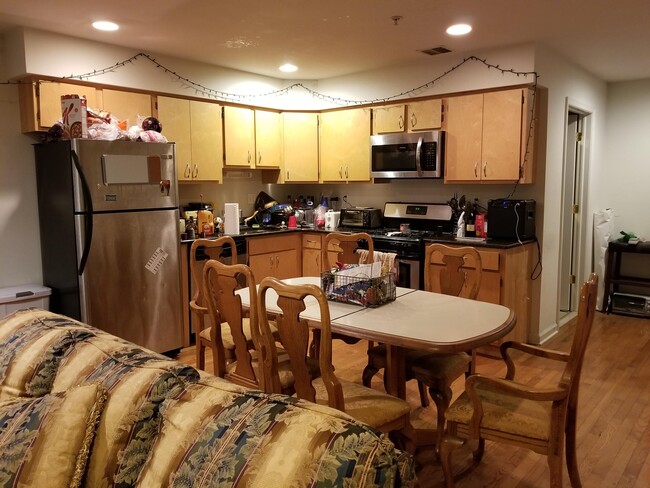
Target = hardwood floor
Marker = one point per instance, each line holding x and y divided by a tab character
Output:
613	411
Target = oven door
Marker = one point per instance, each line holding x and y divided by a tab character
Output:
408	275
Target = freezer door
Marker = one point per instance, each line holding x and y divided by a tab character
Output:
131	283
123	175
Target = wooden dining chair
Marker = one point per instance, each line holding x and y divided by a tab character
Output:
452	271
541	419
377	409
200	251
220	283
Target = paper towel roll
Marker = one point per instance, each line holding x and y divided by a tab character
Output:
231	219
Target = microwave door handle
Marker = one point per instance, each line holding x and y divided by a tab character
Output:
418	152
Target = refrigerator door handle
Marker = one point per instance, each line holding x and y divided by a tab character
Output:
87	213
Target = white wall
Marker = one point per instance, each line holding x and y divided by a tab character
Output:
20	249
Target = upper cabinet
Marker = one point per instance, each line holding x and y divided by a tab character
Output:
268	143
300	148
424	115
252	137
486	136
345	145
195	127
41	103
411	117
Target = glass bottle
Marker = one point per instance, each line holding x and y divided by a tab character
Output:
191	228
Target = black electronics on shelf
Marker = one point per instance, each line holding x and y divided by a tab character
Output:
511	219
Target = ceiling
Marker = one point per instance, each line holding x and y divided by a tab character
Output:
339	37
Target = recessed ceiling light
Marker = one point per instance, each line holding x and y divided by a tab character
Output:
288	68
105	25
459	29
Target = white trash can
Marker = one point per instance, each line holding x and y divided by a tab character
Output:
24	296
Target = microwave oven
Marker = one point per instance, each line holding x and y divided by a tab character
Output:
407	155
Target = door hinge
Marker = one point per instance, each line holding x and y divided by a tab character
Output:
575	209
572	279
578	136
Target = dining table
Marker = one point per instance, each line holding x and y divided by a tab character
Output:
415	319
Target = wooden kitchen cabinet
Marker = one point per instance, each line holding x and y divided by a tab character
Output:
312	254
276	255
388	119
239	136
485	136
424	115
195	127
126	106
345	145
268	142
300	148
505	280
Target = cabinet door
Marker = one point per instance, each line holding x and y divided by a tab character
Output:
388	119
267	139
287	264
345	145
300	147
502	116
424	115
174	115
262	265
49	100
207	141
464	125
239	136
127	106
312	262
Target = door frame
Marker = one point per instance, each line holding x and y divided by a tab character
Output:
579	197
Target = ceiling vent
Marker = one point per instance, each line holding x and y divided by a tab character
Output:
436	50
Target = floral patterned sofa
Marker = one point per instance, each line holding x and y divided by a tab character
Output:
80	407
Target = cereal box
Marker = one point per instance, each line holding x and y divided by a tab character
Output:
73	109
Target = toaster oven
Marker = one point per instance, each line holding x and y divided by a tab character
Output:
360	217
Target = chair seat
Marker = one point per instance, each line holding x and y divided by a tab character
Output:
422	363
505	414
284	368
226	334
366	405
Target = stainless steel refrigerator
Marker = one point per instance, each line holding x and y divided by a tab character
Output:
110	249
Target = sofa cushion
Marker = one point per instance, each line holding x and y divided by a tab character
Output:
218	434
137	381
45	441
33	343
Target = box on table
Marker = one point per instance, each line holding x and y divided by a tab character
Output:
367	292
23	296
74	116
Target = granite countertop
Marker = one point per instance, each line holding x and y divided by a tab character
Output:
247	232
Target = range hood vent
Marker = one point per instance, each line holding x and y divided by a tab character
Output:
436	50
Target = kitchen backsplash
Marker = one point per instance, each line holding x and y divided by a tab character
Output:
243	190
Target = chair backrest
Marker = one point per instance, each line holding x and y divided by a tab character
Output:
342	248
452	270
294	335
220	282
213	249
586	311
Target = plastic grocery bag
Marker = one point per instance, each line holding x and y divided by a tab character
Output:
603	222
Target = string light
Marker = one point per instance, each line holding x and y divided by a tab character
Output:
238	98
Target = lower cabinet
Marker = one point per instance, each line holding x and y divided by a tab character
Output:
277	256
312	254
505	280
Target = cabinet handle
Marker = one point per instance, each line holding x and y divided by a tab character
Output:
341	172
195	173
400	122
485	169
188	171
271	261
249	156
259	158
414	120
317	261
277	262
475	169
346	172
287	174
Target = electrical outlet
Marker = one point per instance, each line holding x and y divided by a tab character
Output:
251	198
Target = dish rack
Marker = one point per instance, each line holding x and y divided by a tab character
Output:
367	292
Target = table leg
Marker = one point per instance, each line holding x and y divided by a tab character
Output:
395	371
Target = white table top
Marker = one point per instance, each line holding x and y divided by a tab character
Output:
416	319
